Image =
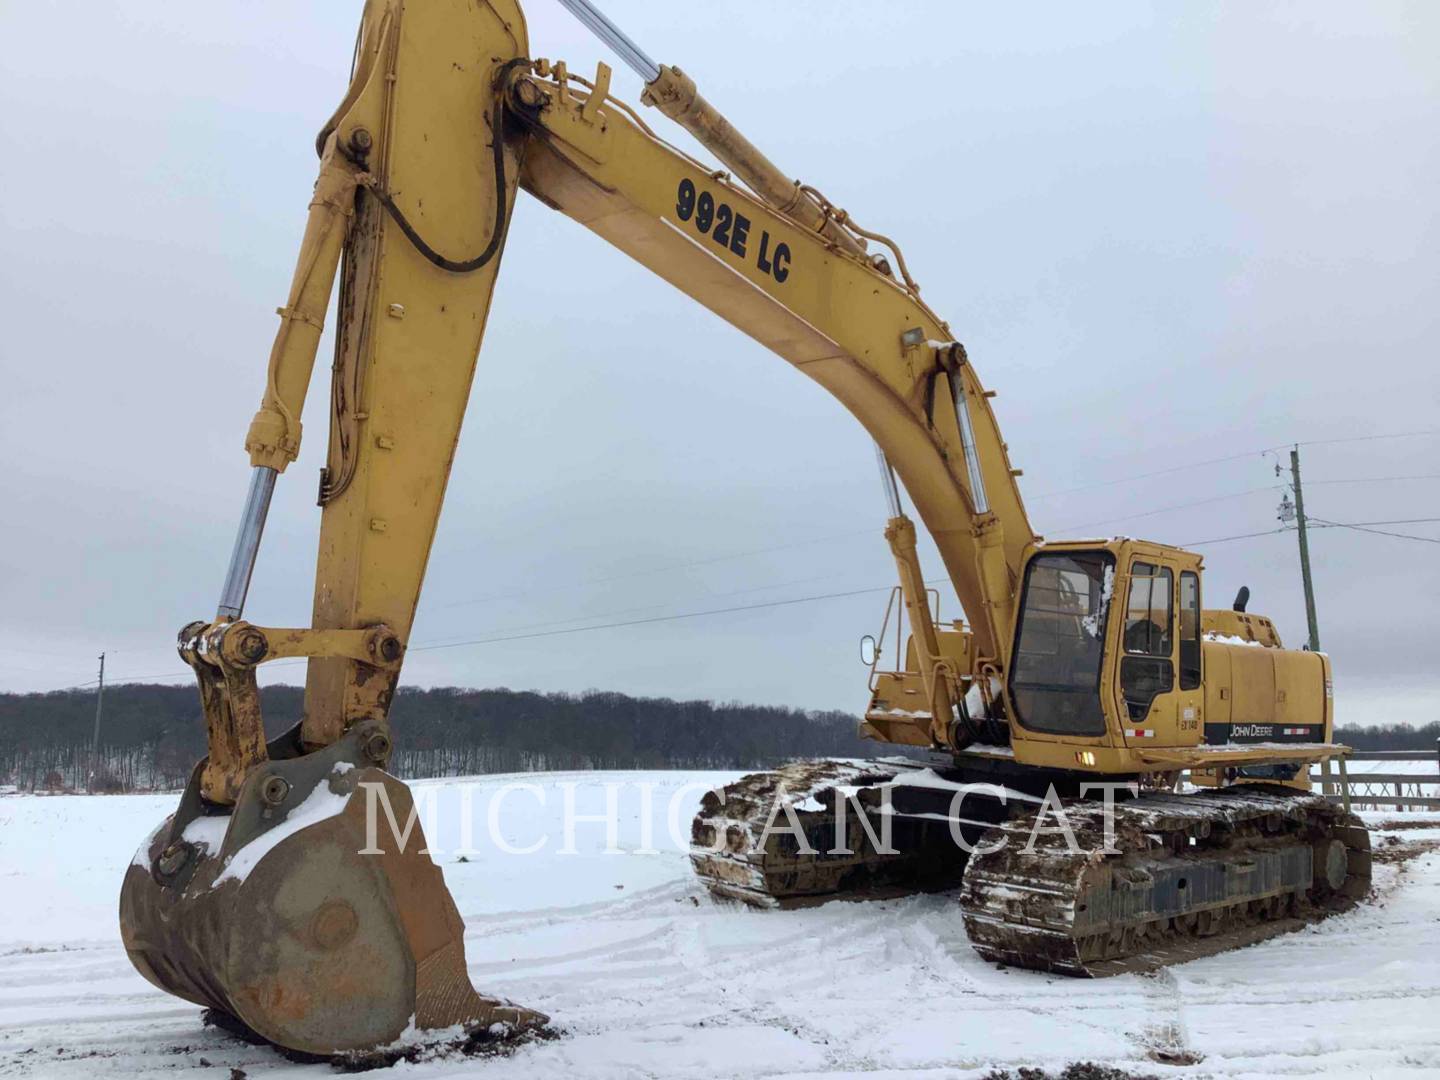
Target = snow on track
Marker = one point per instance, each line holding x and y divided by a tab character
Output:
647	978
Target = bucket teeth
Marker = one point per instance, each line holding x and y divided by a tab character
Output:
307	919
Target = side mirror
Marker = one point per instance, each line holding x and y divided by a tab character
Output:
869	651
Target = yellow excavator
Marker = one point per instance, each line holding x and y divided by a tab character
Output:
1079	664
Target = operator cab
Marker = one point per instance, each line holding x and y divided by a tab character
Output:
1107	643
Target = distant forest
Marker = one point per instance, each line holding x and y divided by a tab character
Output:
1390	737
151	736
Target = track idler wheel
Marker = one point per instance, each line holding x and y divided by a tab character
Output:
316	928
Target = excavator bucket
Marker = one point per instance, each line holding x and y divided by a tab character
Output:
303	912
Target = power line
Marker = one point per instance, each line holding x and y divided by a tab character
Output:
1320	523
1397	521
870	531
1227	539
19	667
1359	438
495	639
1232	457
653	619
1378	532
1377	479
63	689
115	680
591	581
1146	475
509	636
664	569
1168	509
1357	526
856	533
653	607
500	638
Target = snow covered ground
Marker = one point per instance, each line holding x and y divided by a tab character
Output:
646	977
1424	767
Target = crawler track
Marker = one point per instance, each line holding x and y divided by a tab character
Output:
1182	876
1195	875
737	860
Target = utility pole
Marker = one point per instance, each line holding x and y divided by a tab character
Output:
1314	626
95	739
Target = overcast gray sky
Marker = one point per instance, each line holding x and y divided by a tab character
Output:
1167	234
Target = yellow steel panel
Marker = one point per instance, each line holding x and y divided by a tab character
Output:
831	315
410	330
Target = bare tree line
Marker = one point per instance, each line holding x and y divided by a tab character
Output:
151	735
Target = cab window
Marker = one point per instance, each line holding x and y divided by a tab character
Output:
1060	642
1147	615
1189	630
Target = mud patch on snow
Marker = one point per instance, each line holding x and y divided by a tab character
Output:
1394	825
1080	1070
499	1040
1394	851
487	1043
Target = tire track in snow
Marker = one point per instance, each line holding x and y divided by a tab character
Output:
1165	1038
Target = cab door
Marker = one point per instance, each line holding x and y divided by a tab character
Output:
1189	682
1149	698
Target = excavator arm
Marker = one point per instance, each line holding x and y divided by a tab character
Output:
270	895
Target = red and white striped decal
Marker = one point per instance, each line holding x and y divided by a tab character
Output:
1296	730
1141	733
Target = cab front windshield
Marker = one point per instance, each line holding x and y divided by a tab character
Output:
1060	642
